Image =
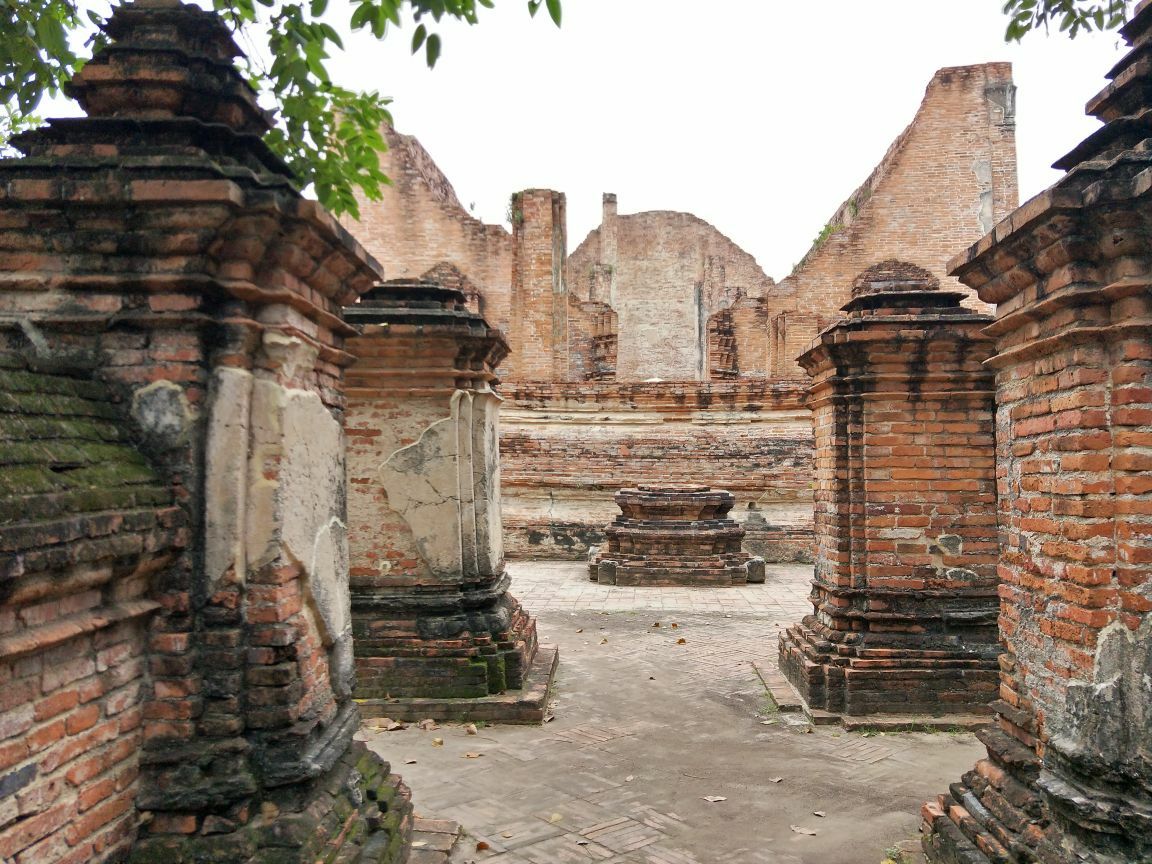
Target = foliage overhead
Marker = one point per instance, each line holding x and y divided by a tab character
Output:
1069	16
328	134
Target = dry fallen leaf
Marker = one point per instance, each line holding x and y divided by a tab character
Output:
386	723
409	761
808	731
651	677
481	846
800	830
657	624
629	778
548	718
819	813
427	725
507	834
473	755
581	630
604	641
554	818
681	641
775	779
470	729
416	844
712	799
674	625
581	842
437	742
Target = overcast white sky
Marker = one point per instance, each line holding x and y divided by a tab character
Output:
759	116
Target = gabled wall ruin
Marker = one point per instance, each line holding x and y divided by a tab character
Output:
658	335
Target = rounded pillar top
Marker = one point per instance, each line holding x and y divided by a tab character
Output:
899	287
413	294
892	276
674	502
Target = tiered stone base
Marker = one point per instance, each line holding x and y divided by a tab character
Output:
995	814
674	535
527	704
840	674
419	656
359	813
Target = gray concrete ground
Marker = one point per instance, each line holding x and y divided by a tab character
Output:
648	726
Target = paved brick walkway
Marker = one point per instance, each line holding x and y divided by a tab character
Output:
646	726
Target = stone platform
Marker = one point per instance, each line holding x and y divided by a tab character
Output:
526	704
674	535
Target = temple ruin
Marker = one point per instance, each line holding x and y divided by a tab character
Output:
251	489
605	389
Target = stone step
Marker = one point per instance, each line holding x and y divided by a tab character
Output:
433	840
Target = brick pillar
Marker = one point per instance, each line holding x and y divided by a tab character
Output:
604	281
1068	776
904	595
539	326
434	624
160	236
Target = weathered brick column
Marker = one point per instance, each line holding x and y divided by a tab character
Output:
1068	776
904	594
161	240
436	632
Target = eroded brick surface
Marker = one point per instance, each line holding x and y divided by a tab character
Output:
904	599
1066	778
663	302
431	613
174	615
673	535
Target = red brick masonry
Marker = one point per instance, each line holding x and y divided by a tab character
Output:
904	596
1068	776
674	535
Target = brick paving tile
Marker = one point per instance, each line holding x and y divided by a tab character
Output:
645	727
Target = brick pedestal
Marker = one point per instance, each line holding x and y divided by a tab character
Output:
1068	776
904	594
674	535
158	246
435	627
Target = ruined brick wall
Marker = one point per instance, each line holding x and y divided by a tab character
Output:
944	182
593	336
419	222
1067	777
85	526
539	318
566	452
665	295
205	294
671	272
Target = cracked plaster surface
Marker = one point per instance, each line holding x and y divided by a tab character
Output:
422	482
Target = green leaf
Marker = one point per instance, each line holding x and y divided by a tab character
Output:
418	38
554	11
361	15
432	50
